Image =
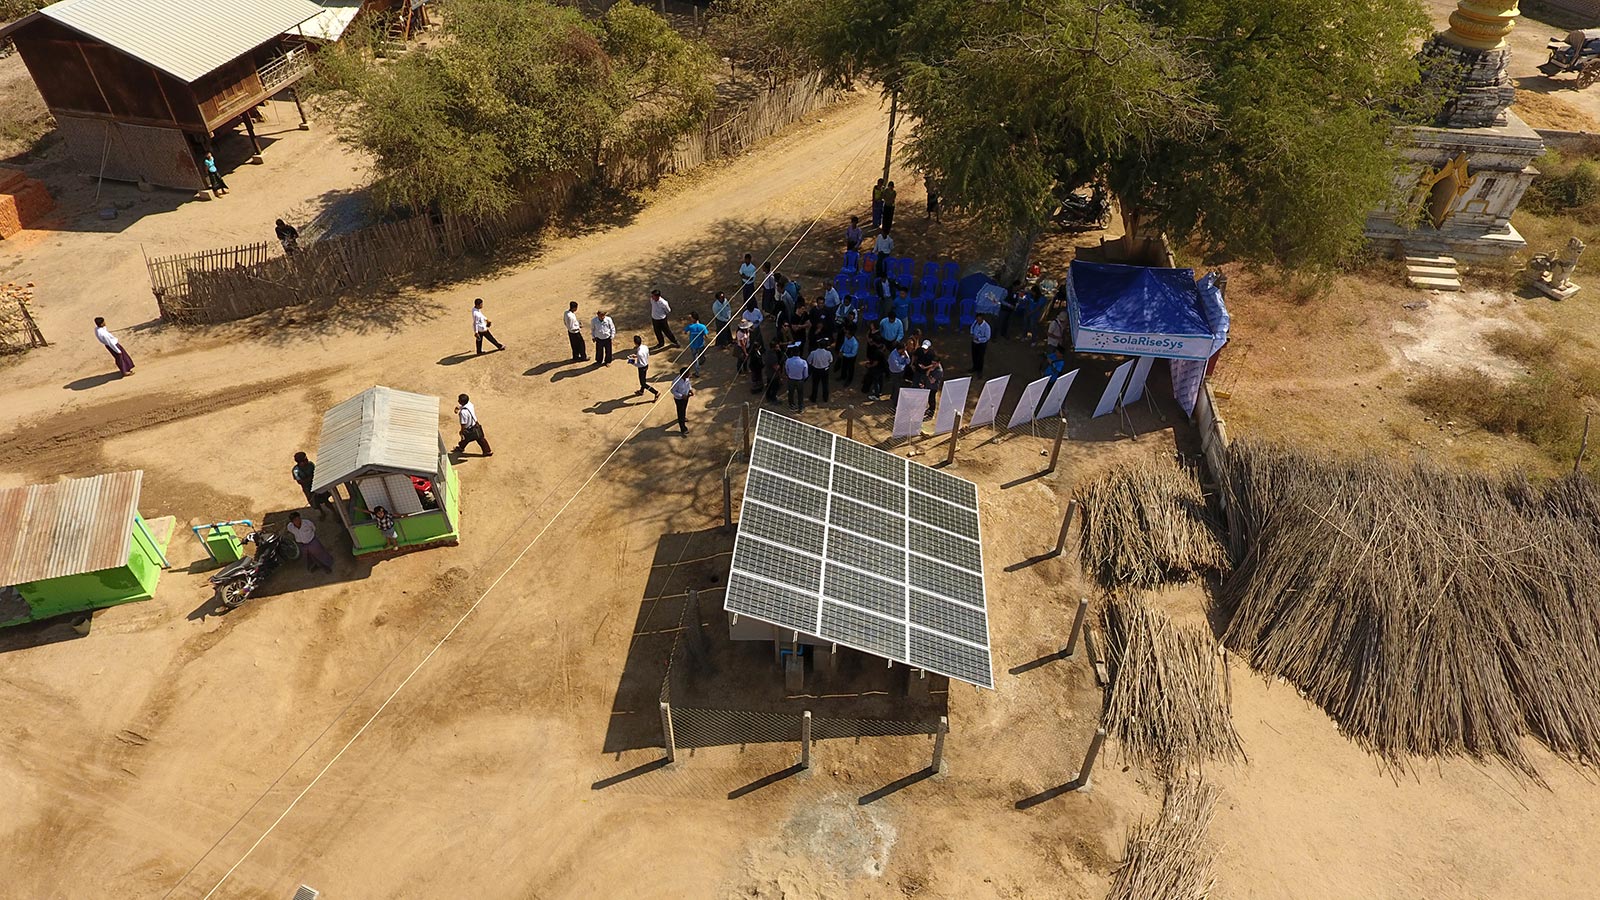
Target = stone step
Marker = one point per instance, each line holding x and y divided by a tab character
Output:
1434	284
1448	261
1433	271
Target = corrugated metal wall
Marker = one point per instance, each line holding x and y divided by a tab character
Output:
160	156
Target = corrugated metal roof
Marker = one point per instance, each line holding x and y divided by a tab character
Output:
378	430
74	526
331	23
184	38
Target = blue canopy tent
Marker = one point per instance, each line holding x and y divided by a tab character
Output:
1147	311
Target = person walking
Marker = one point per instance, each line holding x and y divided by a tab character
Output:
575	332
980	342
659	310
796	371
820	362
682	389
747	278
118	352
603	330
471	429
480	328
722	319
641	361
304	532
888	206
933	380
288	236
304	473
213	177
877	204
696	332
933	202
849	349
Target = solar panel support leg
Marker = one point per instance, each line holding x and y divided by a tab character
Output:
1066	525
950	458
1077	629
727	499
917	684
1055	452
938	745
849	422
1084	779
747	431
805	739
666	731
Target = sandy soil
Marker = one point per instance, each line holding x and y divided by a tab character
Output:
148	758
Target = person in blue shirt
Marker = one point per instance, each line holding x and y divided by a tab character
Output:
747	278
892	328
697	341
849	348
1055	366
218	186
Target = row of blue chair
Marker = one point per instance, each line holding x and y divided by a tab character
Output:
902	269
922	312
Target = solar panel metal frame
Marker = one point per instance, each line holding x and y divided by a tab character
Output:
923	559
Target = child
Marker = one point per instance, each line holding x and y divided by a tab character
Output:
385	523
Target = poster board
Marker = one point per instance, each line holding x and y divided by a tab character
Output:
1028	403
1141	371
1057	396
994	390
1112	397
952	399
908	414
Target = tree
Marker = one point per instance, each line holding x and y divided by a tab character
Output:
1305	96
515	91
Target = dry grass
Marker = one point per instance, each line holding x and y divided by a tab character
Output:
1145	524
1168	705
1428	613
1169	858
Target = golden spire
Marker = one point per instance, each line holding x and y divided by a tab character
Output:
1482	24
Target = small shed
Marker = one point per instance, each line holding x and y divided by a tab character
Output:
373	450
138	89
77	545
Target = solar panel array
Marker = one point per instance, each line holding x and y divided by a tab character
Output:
863	548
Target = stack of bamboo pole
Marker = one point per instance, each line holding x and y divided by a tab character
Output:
1146	524
1169	858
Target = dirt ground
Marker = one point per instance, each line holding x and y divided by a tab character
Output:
173	747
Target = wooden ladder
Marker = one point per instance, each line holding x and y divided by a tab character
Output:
394	38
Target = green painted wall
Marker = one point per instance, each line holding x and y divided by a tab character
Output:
93	590
422	528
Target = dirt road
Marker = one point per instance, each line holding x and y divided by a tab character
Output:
173	749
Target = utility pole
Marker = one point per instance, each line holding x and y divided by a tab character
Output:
894	113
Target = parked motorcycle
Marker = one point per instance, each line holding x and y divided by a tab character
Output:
236	583
1080	212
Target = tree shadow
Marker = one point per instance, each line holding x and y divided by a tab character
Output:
92	381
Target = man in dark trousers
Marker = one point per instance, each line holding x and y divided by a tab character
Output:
480	327
682	390
888	206
820	363
580	350
980	342
604	330
659	310
288	236
471	430
304	474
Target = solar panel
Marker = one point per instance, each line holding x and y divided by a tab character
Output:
861	547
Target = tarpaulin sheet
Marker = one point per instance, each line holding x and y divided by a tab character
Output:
1142	311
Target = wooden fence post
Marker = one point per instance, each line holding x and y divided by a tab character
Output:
1077	629
950	458
1056	450
747	431
805	739
1085	774
938	745
1066	524
666	730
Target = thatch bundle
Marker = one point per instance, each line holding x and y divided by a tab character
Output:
1428	612
1168	704
1146	523
1169	858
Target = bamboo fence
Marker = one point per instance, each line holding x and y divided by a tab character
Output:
18	331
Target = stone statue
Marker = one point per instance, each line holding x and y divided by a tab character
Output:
1553	271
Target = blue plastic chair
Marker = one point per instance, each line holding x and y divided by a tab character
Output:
930	269
969	312
852	261
906	271
870	309
842	282
919	312
928	289
952	273
941	311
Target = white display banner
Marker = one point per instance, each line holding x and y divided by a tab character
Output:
994	390
952	399
1029	402
908	415
1057	397
1172	346
1109	400
1141	371
1187	375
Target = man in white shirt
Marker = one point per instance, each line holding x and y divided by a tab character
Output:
747	278
830	300
304	533
899	359
821	364
754	317
796	372
980	342
575	332
603	330
105	337
682	390
883	245
1055	335
480	327
641	361
471	430
722	318
659	310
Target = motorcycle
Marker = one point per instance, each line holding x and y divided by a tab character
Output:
1080	212
241	579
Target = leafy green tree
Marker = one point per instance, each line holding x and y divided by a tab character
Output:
515	91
